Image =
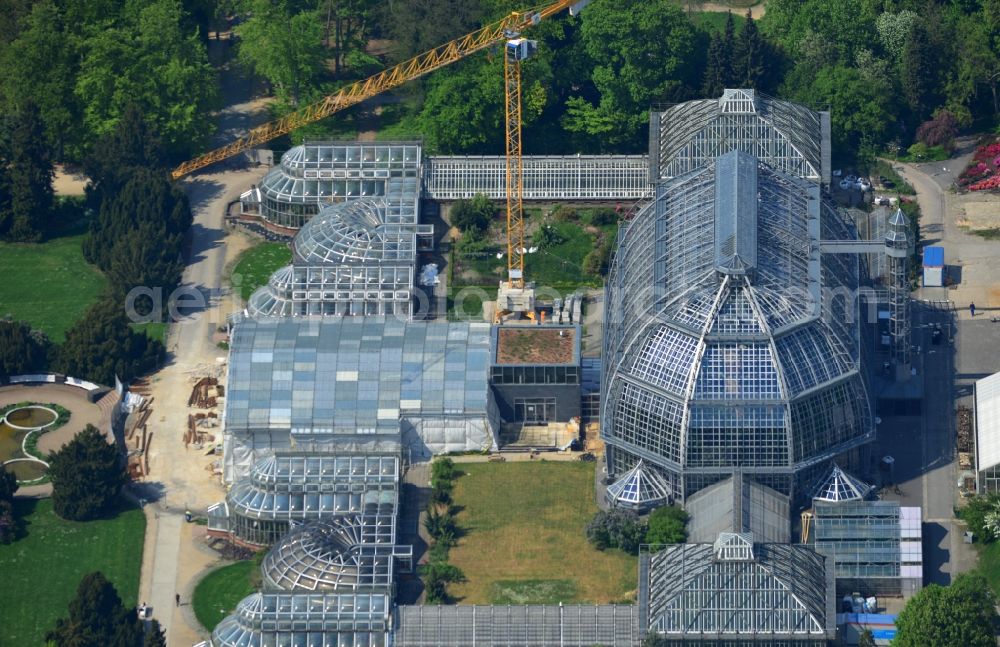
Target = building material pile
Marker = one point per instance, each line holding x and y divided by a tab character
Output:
205	393
964	429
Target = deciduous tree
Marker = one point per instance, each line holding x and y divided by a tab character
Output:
87	476
962	614
282	41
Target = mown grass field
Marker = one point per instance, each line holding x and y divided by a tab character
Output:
49	285
39	572
256	265
217	594
523	538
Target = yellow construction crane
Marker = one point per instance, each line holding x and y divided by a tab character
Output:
393	77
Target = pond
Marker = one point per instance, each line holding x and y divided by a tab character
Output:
10	442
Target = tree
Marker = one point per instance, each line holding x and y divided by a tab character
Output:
715	71
145	58
102	345
866	639
138	235
473	217
666	525
443	469
22	350
919	71
116	157
859	113
628	74
975	513
418	25
939	131
87	476
437	576
616	529
962	614
749	59
8	486
34	69
97	618
155	637
282	41
728	52
29	177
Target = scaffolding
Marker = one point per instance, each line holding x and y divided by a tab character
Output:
722	347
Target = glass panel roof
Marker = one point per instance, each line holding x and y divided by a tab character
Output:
353	374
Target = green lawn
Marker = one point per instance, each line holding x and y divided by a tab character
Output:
217	594
256	265
48	285
41	570
989	563
523	539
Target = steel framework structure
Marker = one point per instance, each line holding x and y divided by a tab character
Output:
515	183
734	589
544	177
723	351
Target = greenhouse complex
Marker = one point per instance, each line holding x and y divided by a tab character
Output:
729	384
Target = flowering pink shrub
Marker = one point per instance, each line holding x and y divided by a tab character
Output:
983	173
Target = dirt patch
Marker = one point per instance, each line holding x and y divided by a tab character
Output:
535	346
978	211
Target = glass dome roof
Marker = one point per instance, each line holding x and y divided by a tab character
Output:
641	488
353	232
338	554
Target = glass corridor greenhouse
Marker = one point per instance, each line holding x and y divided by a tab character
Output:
720	352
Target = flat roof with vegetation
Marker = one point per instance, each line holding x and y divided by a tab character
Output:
536	345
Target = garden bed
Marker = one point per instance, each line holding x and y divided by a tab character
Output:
983	172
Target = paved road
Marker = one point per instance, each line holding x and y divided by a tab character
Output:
179	480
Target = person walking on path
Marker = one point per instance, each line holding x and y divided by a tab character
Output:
972	309
177	599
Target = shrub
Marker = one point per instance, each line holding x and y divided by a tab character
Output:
939	131
443	469
975	513
472	217
598	261
616	529
604	216
667	525
547	236
437	576
563	213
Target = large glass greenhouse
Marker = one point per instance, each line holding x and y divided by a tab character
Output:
723	350
354	258
735	592
286	488
320	173
329	384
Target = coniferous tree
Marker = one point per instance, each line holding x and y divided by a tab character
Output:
715	73
728	52
748	70
8	486
22	350
117	156
87	476
155	636
102	345
138	235
97	618
29	177
919	71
